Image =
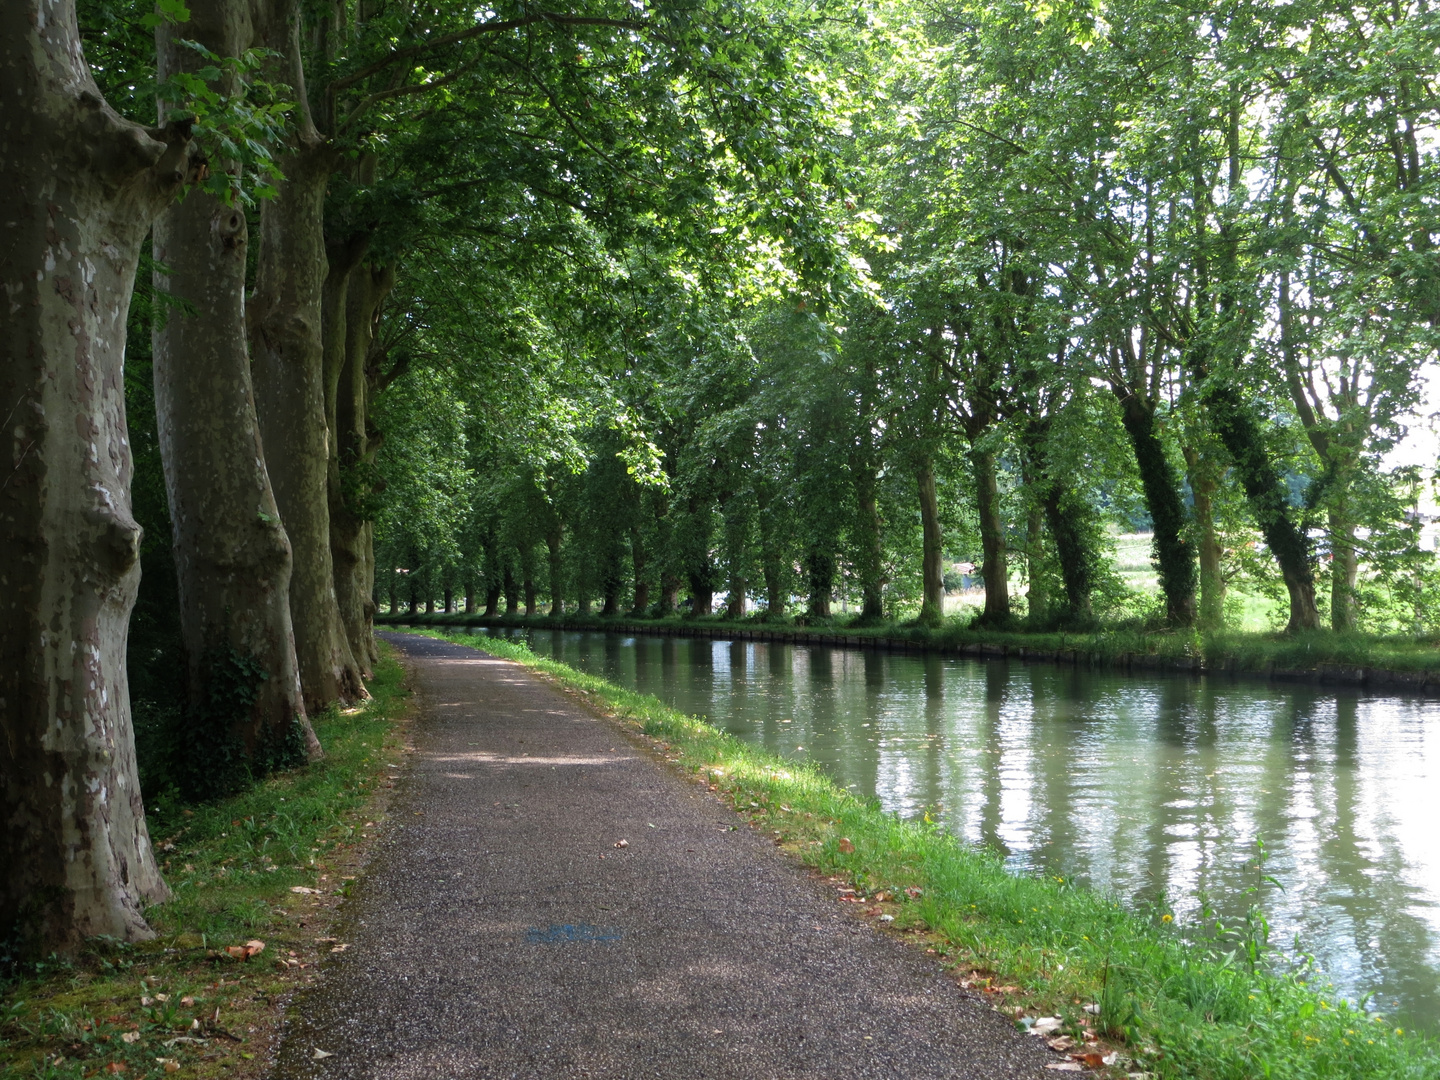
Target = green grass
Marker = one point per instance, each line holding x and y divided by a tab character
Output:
1230	651
1208	1007
231	866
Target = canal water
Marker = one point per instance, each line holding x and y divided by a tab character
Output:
1153	788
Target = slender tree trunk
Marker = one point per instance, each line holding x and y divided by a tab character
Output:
557	569
1037	597
1174	554
996	569
449	600
527	574
345	388
351	530
1344	569
512	589
79	187
392	592
288	360
1204	483
870	556
1073	551
932	559
641	603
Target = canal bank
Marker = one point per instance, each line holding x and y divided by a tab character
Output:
1395	665
1181	1009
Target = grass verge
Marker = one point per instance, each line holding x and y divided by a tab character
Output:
271	864
1232	652
1209	1007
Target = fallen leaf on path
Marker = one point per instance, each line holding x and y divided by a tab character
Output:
846	847
320	1055
115	1067
1090	1057
1047	1025
1066	1066
130	1036
304	890
622	843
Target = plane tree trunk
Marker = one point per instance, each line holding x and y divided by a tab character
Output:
80	187
232	557
289	369
932	559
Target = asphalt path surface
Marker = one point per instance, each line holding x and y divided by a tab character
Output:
499	932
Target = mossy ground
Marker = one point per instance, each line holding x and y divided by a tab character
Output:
1201	1001
233	867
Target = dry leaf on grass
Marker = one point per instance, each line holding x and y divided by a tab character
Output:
244	952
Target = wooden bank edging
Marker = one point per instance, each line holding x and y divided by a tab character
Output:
1370	678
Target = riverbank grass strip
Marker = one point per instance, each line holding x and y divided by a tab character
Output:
270	866
1220	1006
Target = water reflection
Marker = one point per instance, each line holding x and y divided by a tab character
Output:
1154	788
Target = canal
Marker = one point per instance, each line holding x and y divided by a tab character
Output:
1153	788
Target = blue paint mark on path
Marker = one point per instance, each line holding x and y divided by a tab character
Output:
554	935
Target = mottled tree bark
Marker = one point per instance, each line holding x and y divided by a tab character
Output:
996	567
287	354
932	559
1037	596
348	390
79	187
1174	554
232	557
1344	569
1204	483
1238	430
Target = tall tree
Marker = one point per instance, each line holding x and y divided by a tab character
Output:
80	187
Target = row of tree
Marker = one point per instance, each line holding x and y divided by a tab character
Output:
301	154
623	303
1172	267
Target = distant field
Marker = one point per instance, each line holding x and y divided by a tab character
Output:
1245	612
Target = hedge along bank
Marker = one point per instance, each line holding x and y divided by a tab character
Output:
1206	1001
1396	665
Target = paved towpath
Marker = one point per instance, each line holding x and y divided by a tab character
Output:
489	937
